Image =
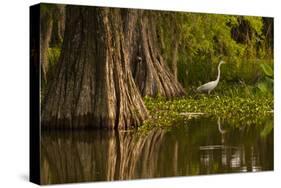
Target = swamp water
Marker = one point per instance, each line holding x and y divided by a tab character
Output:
201	146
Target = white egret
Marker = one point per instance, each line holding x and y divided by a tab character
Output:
208	87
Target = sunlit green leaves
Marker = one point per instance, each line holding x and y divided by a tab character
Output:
266	84
267	129
255	22
205	39
53	55
267	69
238	110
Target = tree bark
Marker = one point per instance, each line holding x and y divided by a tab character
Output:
175	58
93	85
51	33
45	37
150	72
58	14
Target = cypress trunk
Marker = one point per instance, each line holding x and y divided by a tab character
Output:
93	85
51	34
150	72
175	58
58	14
46	27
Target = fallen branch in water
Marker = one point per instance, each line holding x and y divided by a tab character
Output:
192	113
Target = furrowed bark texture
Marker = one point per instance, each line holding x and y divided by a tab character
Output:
51	33
46	27
150	72
175	59
93	86
58	14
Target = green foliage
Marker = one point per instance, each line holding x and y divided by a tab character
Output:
238	110
50	10
53	58
46	9
205	39
243	96
53	55
267	129
255	23
267	69
266	84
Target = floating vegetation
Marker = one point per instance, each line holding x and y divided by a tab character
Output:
236	110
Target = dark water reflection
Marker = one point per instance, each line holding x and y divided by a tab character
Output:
204	146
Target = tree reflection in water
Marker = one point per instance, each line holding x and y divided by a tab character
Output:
199	147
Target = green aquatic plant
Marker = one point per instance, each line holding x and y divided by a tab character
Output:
238	110
266	84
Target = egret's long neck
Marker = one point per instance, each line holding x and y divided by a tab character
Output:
219	73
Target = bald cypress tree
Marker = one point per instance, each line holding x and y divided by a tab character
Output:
152	75
93	86
109	59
